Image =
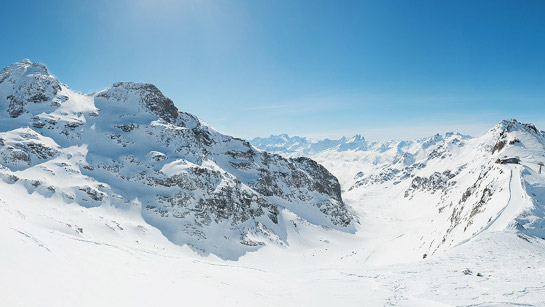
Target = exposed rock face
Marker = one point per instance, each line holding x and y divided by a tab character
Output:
129	146
30	84
434	183
148	95
510	126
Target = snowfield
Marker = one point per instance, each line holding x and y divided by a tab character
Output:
119	199
48	261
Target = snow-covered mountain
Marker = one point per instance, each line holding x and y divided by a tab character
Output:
302	146
105	197
351	157
468	186
447	189
128	147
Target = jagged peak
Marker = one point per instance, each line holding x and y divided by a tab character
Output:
442	137
506	126
506	132
25	66
357	138
515	125
149	97
25	82
284	136
135	85
456	134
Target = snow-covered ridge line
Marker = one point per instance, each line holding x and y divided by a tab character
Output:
129	147
456	186
350	158
303	146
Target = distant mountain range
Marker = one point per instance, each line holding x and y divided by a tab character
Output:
301	146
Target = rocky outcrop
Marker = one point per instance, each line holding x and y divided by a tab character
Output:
148	96
28	83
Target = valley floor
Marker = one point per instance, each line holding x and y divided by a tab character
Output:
65	255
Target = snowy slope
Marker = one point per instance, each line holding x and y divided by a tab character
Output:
105	198
439	192
130	148
64	255
458	191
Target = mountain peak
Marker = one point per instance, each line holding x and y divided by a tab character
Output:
27	85
516	125
26	67
148	96
507	126
356	138
184	178
512	132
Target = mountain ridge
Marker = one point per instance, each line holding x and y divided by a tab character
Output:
459	183
129	146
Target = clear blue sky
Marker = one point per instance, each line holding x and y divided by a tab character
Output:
385	69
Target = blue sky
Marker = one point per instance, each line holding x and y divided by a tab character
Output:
385	69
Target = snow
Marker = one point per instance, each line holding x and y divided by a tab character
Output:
431	222
49	262
129	144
